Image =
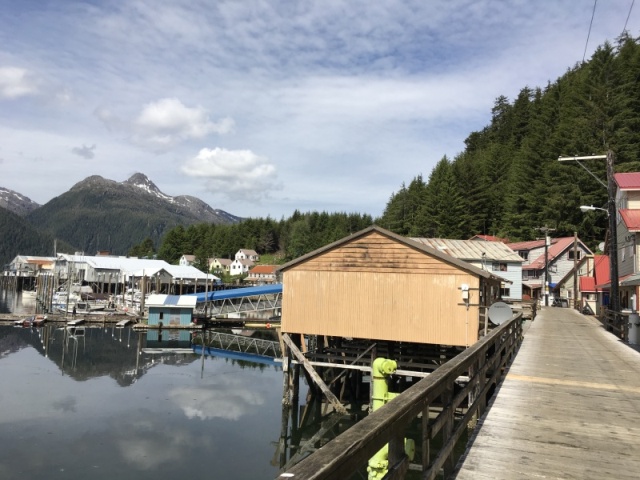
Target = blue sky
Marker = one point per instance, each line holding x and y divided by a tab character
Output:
262	107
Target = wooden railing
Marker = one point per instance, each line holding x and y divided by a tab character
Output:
617	323
440	395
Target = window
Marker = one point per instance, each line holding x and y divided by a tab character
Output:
524	254
578	254
505	292
499	267
161	315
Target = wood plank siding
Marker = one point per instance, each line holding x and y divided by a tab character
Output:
380	286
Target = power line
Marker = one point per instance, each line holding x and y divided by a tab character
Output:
627	20
590	25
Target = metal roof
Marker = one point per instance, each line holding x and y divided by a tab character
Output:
631	219
178	301
237	292
472	249
628	181
176	272
125	264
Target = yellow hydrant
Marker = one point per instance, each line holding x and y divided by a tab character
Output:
380	395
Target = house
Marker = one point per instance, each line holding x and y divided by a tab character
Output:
30	266
262	274
579	279
560	255
246	254
186	260
240	267
220	266
488	255
594	287
377	285
628	226
171	310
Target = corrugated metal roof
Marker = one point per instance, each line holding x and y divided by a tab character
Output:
587	284
602	269
472	249
631	219
489	238
237	292
557	247
178	301
125	264
269	269
627	181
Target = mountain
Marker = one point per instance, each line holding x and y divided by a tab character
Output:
16	203
101	214
20	237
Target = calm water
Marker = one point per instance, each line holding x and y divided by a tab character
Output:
98	407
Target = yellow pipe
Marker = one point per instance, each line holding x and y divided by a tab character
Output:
380	395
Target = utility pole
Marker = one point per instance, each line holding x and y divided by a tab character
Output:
575	270
614	298
614	301
546	230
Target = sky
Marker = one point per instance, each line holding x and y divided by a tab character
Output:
262	107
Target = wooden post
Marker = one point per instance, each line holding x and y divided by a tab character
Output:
316	378
447	429
426	442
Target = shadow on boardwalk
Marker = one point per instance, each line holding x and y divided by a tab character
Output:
569	407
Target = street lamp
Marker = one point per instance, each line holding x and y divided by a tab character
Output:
613	252
587	208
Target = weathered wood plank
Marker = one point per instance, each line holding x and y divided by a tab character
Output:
307	366
568	408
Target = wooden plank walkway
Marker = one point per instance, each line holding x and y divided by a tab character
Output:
569	407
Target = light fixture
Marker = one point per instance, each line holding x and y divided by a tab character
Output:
587	208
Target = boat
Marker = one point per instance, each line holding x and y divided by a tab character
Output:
23	322
32	321
123	323
86	307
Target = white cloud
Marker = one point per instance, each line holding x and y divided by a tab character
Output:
349	97
230	404
15	82
238	174
167	122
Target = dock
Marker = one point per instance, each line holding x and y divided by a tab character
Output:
568	408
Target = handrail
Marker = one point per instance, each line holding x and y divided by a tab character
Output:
617	323
484	363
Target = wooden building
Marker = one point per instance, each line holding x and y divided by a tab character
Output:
378	285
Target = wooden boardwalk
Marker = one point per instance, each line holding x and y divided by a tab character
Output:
569	407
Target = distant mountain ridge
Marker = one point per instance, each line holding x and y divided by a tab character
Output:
102	214
16	203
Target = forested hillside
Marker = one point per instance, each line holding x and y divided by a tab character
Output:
508	181
287	239
19	237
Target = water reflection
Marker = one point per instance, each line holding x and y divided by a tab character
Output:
93	403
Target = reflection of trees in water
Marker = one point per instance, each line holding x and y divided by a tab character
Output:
98	352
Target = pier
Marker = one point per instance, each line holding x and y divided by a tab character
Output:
569	407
